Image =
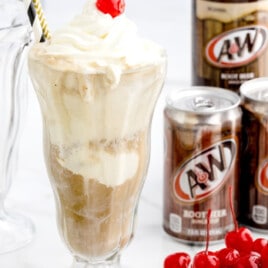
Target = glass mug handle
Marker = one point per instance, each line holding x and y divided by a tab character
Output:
15	230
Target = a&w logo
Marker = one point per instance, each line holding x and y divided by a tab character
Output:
237	47
206	172
262	182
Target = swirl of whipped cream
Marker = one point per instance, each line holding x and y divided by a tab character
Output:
94	42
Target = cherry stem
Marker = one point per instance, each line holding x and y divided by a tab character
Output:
208	227
232	208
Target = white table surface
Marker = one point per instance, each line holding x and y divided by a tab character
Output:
166	22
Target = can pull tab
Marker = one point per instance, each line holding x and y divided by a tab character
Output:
203	104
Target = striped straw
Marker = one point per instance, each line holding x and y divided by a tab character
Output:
37	20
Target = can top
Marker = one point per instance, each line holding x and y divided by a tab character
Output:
255	90
202	100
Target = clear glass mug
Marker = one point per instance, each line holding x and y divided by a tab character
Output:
15	37
97	147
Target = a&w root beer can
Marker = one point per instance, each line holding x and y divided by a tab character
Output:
253	207
229	42
202	142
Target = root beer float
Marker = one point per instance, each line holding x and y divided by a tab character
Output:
97	82
229	42
202	133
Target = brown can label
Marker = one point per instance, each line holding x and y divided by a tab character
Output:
253	205
201	163
230	42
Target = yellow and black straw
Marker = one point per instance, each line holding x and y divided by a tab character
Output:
37	20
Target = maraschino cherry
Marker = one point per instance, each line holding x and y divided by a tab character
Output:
228	257
264	256
251	260
206	258
259	244
241	238
112	7
177	260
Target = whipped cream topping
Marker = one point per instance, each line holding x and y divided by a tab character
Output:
94	42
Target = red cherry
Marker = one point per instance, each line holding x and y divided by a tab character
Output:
259	244
251	260
177	260
228	257
112	7
206	259
264	256
240	238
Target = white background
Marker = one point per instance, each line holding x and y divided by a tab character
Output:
166	22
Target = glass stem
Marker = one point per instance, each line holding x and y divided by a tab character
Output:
113	262
2	209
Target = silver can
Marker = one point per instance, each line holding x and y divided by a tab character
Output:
202	128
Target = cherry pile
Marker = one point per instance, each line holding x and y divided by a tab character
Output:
112	7
253	254
241	251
